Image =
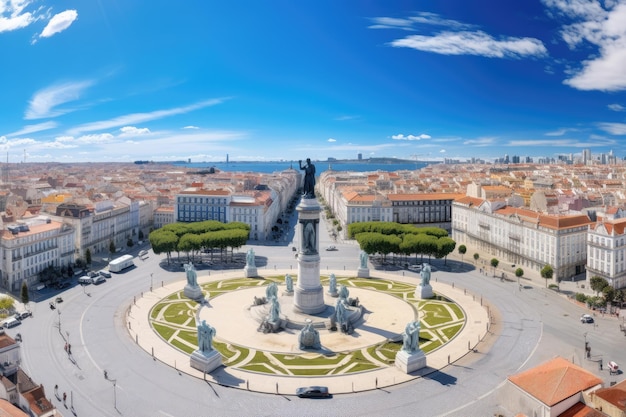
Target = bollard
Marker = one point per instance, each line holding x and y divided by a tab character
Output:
136	338
468	345
248	385
453	285
161	284
481	300
448	359
152	352
465	291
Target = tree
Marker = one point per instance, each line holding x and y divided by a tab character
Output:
547	272
24	293
88	256
462	250
476	256
608	293
6	303
519	272
494	264
598	284
112	247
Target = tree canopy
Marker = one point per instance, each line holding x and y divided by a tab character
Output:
193	237
389	237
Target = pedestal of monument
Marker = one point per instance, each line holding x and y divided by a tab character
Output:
363	273
308	293
424	292
206	361
250	271
193	291
409	362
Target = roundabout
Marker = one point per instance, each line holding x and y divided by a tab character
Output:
164	322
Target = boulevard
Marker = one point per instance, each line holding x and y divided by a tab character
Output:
530	325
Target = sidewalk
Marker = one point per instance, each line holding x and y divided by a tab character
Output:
475	329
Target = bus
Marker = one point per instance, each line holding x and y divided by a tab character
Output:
121	263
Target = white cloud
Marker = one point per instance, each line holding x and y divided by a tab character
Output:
410	137
480	142
442	151
421	18
12	15
191	127
602	24
34	128
473	43
614	128
96	138
59	23
43	103
561	132
332	140
569	143
616	107
133	131
135	118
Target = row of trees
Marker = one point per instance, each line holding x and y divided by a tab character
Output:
388	237
607	292
191	238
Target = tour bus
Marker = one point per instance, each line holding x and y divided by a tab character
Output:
121	263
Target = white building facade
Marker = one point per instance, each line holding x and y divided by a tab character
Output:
606	246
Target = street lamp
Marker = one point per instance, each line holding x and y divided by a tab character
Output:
151	281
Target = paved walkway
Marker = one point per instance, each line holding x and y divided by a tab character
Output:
475	329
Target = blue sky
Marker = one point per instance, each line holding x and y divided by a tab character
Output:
117	80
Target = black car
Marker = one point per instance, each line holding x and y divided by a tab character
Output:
312	392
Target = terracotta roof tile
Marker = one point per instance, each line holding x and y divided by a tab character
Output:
555	381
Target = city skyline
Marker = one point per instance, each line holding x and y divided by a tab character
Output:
422	80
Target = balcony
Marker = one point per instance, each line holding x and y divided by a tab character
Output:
484	225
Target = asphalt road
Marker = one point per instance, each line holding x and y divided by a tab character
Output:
531	326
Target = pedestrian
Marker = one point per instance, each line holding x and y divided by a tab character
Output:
64	398
66	346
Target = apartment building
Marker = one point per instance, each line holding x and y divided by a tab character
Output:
606	245
30	246
105	222
426	209
163	215
522	237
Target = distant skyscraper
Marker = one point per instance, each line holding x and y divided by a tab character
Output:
359	156
586	156
227	158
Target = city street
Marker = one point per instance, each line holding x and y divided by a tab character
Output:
532	324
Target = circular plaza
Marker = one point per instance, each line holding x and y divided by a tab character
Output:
164	323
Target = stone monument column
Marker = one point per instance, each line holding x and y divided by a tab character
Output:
308	294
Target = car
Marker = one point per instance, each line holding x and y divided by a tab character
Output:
62	285
293	249
415	267
22	315
105	273
312	392
58	299
586	318
98	280
92	274
331	248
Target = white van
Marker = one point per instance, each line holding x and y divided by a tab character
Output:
11	322
85	280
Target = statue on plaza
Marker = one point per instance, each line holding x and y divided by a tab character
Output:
363	258
205	337
340	312
309	237
309	178
271	291
309	337
344	293
425	274
192	277
289	283
332	284
250	258
274	315
410	337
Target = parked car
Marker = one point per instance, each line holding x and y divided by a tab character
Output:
98	280
105	273
415	267
92	274
11	322
331	247
586	318
312	392
85	280
22	315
